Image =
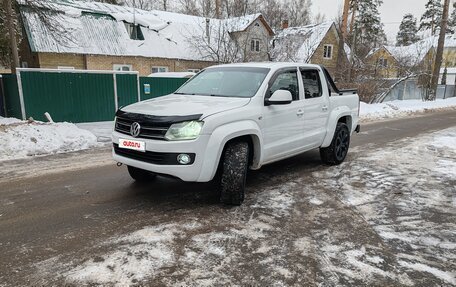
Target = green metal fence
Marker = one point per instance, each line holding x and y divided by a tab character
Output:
74	97
79	96
159	86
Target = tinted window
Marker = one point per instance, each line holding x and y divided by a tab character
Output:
287	81
312	85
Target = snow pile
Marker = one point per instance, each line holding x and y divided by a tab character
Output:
19	139
396	109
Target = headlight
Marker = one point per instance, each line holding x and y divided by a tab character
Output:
184	131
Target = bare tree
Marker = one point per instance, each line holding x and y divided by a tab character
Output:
215	44
42	14
189	7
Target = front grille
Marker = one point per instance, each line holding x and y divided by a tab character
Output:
148	130
160	158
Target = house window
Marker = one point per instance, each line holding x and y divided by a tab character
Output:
122	67
327	51
193	70
159	69
134	31
382	62
255	45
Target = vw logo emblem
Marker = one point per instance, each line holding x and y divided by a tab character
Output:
135	129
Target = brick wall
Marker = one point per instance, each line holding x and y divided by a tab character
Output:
142	64
54	60
100	62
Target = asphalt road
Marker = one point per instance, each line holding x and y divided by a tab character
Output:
64	217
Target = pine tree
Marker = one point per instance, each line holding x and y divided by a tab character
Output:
368	29
432	16
408	30
444	76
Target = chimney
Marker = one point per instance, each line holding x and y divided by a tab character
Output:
284	24
208	31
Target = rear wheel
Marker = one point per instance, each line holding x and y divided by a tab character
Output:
141	175
234	173
336	152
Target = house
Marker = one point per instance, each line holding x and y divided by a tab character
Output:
449	51
99	36
316	44
398	61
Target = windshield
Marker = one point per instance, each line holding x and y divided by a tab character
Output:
225	82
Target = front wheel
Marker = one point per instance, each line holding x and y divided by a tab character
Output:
234	173
141	175
336	152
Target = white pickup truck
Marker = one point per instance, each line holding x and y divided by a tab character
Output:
230	118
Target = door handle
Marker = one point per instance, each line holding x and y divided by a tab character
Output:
324	108
300	113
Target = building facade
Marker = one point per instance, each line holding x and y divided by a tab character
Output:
313	44
98	36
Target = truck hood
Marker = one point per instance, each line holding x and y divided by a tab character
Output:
183	105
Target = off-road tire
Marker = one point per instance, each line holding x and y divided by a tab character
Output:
141	175
337	151
234	173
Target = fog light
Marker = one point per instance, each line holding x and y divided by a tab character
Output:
184	158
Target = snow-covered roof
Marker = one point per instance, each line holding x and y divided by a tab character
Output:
408	55
99	29
299	43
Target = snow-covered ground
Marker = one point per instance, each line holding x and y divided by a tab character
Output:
102	130
398	109
20	139
385	217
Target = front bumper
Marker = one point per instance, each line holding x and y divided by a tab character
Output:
190	172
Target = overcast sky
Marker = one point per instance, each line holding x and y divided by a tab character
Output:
391	12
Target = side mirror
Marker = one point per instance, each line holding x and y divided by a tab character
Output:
280	97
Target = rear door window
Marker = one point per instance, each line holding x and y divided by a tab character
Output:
312	84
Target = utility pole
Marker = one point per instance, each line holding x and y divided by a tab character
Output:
342	39
439	53
12	35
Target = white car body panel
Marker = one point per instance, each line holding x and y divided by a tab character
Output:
277	131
